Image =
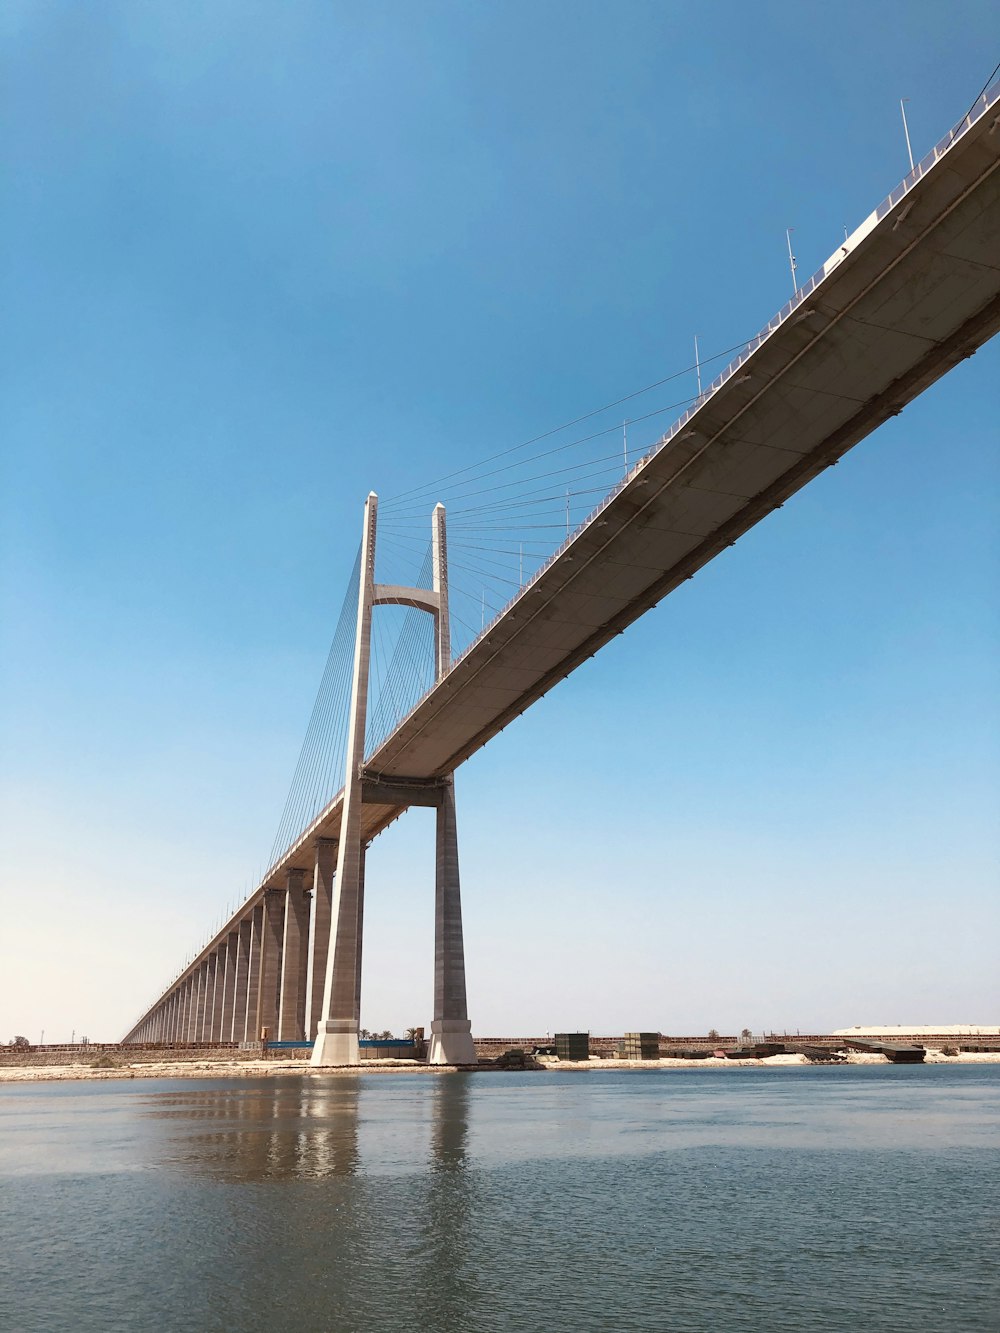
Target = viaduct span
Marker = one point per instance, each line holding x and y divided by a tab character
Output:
912	292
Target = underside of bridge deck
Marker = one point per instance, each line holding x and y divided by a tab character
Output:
915	290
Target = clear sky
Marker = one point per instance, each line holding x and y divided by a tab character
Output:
262	258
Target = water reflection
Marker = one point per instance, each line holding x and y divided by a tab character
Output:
308	1129
389	1198
443	1203
449	1140
451	1288
301	1130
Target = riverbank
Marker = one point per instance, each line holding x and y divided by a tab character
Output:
275	1069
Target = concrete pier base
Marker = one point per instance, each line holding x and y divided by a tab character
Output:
336	1044
451	1042
451	1032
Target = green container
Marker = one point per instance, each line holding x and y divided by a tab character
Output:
573	1045
641	1046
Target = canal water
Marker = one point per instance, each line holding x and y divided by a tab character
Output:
694	1201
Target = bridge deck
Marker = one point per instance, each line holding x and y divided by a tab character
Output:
912	292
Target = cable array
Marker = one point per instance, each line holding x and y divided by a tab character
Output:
401	671
402	658
509	512
320	768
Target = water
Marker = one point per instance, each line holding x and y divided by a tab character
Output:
745	1199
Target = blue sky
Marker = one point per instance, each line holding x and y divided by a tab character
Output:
260	259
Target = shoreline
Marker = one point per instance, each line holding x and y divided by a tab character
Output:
209	1069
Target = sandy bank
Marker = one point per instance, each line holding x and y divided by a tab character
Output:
275	1069
770	1062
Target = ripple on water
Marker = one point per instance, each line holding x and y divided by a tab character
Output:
748	1200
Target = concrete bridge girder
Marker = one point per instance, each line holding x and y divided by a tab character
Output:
913	291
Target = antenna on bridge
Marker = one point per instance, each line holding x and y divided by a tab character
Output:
625	441
791	258
906	128
697	365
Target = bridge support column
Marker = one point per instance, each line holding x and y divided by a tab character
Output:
295	941
184	1011
206	1022
199	1011
319	931
190	1006
242	979
451	1032
204	1002
193	1007
253	973
198	1003
337	1033
222	959
270	964
229	988
213	1016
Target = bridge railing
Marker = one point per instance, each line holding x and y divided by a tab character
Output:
978	109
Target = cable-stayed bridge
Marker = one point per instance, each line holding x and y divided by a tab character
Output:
911	292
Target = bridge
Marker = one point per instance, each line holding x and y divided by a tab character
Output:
914	290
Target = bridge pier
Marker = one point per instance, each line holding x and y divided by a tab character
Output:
337	1035
451	1032
211	985
229	990
241	979
294	942
337	1031
336	1039
199	1008
253	975
193	1006
324	869
208	968
218	1006
296	972
267	997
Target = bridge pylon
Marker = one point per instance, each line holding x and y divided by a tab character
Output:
338	1024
